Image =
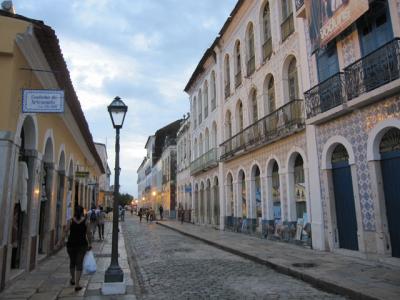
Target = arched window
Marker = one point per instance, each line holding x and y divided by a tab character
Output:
205	99
206	141
287	26
254	106
213	91
238	65
228	125
227	79
200	106
194	112
251	61
195	149
271	95
292	80
239	117
266	31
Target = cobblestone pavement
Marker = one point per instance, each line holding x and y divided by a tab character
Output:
169	265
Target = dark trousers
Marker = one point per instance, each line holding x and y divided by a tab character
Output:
101	230
76	255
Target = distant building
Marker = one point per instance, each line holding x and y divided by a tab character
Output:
157	173
105	193
184	185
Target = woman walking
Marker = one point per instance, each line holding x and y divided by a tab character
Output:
77	245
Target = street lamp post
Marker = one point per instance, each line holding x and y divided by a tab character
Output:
117	110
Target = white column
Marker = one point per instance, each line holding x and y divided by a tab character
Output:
316	213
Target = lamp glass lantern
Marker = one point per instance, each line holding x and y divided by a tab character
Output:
117	110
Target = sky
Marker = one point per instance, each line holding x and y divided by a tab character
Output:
141	50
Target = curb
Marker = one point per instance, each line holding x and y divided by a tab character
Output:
314	281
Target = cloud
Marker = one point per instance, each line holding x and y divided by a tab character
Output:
210	24
92	65
141	42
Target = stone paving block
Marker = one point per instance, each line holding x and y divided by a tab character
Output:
45	296
70	292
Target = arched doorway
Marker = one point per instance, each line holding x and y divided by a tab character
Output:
216	210
60	197
256	193
196	207
20	221
242	200
208	205
45	196
344	199
300	189
230	203
276	193
202	208
390	164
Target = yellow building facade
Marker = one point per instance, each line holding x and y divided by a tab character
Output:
40	153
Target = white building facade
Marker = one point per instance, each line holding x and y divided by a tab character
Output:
259	116
295	125
353	117
184	185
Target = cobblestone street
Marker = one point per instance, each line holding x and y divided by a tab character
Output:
172	266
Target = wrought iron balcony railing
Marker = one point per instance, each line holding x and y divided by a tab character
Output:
287	27
251	65
278	124
204	162
366	74
373	70
227	90
267	49
299	4
238	79
326	95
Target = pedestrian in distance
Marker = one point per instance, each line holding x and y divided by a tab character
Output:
79	241
140	214
121	213
181	214
161	210
101	216
92	216
147	215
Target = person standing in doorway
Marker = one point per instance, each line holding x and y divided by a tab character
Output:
79	241
161	210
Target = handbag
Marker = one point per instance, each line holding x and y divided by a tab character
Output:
89	263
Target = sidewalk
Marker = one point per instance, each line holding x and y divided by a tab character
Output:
350	276
50	280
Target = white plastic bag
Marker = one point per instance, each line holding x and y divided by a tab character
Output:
89	263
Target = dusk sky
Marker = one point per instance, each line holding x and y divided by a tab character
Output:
141	50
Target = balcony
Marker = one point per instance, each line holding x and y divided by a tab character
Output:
287	27
238	79
251	65
267	49
203	163
285	121
326	95
374	70
340	91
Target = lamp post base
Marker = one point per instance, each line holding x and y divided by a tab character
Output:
114	274
113	288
